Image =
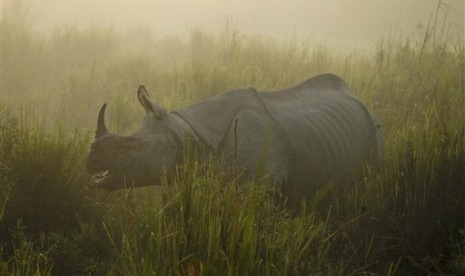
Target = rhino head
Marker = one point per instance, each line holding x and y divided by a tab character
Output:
118	161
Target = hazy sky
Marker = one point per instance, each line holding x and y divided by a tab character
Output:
340	19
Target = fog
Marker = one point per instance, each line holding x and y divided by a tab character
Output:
347	20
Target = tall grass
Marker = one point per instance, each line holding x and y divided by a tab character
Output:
408	218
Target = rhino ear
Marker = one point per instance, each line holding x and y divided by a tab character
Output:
144	99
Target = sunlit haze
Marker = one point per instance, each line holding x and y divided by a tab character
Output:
355	20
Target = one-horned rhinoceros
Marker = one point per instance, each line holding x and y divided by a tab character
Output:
312	134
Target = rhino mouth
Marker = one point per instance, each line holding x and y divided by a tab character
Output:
107	179
113	179
116	179
100	177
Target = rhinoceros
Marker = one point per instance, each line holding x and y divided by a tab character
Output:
303	137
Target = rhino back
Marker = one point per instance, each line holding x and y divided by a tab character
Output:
320	132
329	131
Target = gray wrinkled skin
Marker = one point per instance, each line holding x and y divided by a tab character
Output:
307	136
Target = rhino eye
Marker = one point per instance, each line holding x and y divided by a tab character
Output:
131	145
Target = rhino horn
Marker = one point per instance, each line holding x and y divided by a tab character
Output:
102	129
144	99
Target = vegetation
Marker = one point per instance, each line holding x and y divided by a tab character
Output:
408	218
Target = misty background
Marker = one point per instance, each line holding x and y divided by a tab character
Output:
353	21
61	50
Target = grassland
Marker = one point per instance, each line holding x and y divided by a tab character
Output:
409	218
